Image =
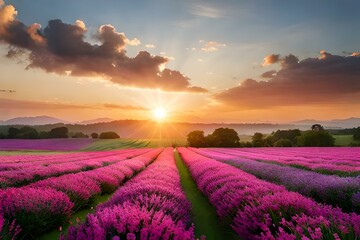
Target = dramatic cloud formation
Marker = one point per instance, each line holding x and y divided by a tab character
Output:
212	46
329	79
60	48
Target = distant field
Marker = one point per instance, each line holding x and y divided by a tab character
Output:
166	142
344	140
111	144
65	144
39	146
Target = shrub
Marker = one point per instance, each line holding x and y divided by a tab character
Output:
283	143
95	135
59	132
196	139
316	139
109	135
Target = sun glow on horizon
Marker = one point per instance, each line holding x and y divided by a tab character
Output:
159	113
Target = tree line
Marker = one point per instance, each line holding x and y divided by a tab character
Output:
27	132
225	137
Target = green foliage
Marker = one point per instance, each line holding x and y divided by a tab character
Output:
223	137
23	133
59	132
109	135
283	143
316	139
79	135
94	135
291	135
356	135
13	132
317	127
258	140
44	135
196	139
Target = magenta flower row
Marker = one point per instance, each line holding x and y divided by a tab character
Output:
30	210
334	159
256	209
20	173
152	205
332	189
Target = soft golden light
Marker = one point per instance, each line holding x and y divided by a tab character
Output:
159	114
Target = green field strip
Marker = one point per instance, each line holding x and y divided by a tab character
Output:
112	144
203	213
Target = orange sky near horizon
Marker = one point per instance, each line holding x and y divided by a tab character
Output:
84	69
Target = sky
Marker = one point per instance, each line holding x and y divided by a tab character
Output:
201	61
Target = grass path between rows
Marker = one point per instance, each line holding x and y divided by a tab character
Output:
78	216
203	213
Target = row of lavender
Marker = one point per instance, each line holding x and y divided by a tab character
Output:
59	144
329	159
338	191
150	206
256	209
31	210
20	173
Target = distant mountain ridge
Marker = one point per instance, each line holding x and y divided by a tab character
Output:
97	120
335	123
44	120
38	120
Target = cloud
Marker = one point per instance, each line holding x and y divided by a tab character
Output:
80	24
271	59
329	79
276	58
212	46
268	74
24	104
150	46
132	42
6	103
208	11
123	107
61	48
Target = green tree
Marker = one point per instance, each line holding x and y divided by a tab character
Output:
95	135
291	135
356	135
196	139
27	133
59	132
283	142
79	135
316	139
43	135
13	132
258	140
223	137
109	135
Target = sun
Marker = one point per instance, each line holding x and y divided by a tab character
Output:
159	113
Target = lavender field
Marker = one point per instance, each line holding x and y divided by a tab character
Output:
167	193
